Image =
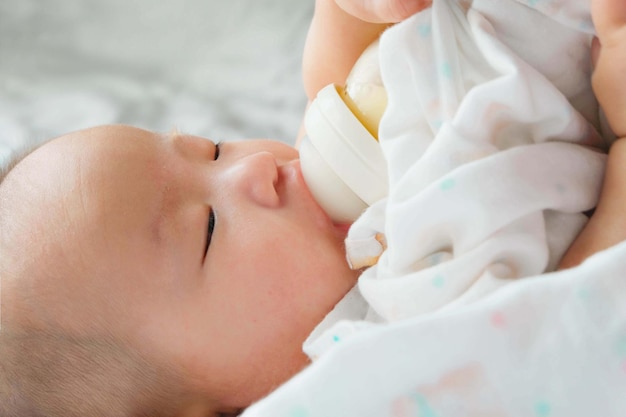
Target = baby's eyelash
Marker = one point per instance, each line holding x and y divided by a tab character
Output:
218	146
210	229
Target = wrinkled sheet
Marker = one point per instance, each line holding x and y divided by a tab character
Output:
224	70
493	140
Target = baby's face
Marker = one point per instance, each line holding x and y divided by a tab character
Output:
215	257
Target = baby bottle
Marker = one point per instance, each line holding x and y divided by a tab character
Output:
341	159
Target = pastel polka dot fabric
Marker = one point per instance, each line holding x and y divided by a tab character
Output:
535	348
492	139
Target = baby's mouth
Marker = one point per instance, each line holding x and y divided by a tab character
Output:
342	228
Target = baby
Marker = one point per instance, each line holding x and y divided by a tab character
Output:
146	228
148	274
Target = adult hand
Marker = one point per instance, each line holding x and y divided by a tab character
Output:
609	55
340	31
383	11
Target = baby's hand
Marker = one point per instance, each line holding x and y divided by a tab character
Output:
609	50
383	11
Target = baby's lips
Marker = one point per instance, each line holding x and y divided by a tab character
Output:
343	228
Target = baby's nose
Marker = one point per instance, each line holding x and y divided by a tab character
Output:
255	177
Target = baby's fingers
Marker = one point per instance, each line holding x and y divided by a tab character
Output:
383	11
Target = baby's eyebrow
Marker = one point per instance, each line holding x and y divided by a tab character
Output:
157	220
156	229
157	226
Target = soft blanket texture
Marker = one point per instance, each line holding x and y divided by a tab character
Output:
224	70
493	146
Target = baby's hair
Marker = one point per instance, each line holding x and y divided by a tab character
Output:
57	375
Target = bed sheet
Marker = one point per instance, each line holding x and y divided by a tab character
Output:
225	70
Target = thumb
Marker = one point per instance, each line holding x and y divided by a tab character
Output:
383	11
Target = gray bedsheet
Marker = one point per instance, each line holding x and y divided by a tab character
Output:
222	69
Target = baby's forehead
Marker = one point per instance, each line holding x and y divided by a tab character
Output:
31	216
74	176
17	183
32	196
58	203
41	172
87	154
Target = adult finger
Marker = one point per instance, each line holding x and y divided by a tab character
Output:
383	11
609	18
609	58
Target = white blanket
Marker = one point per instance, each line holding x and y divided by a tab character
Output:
491	137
